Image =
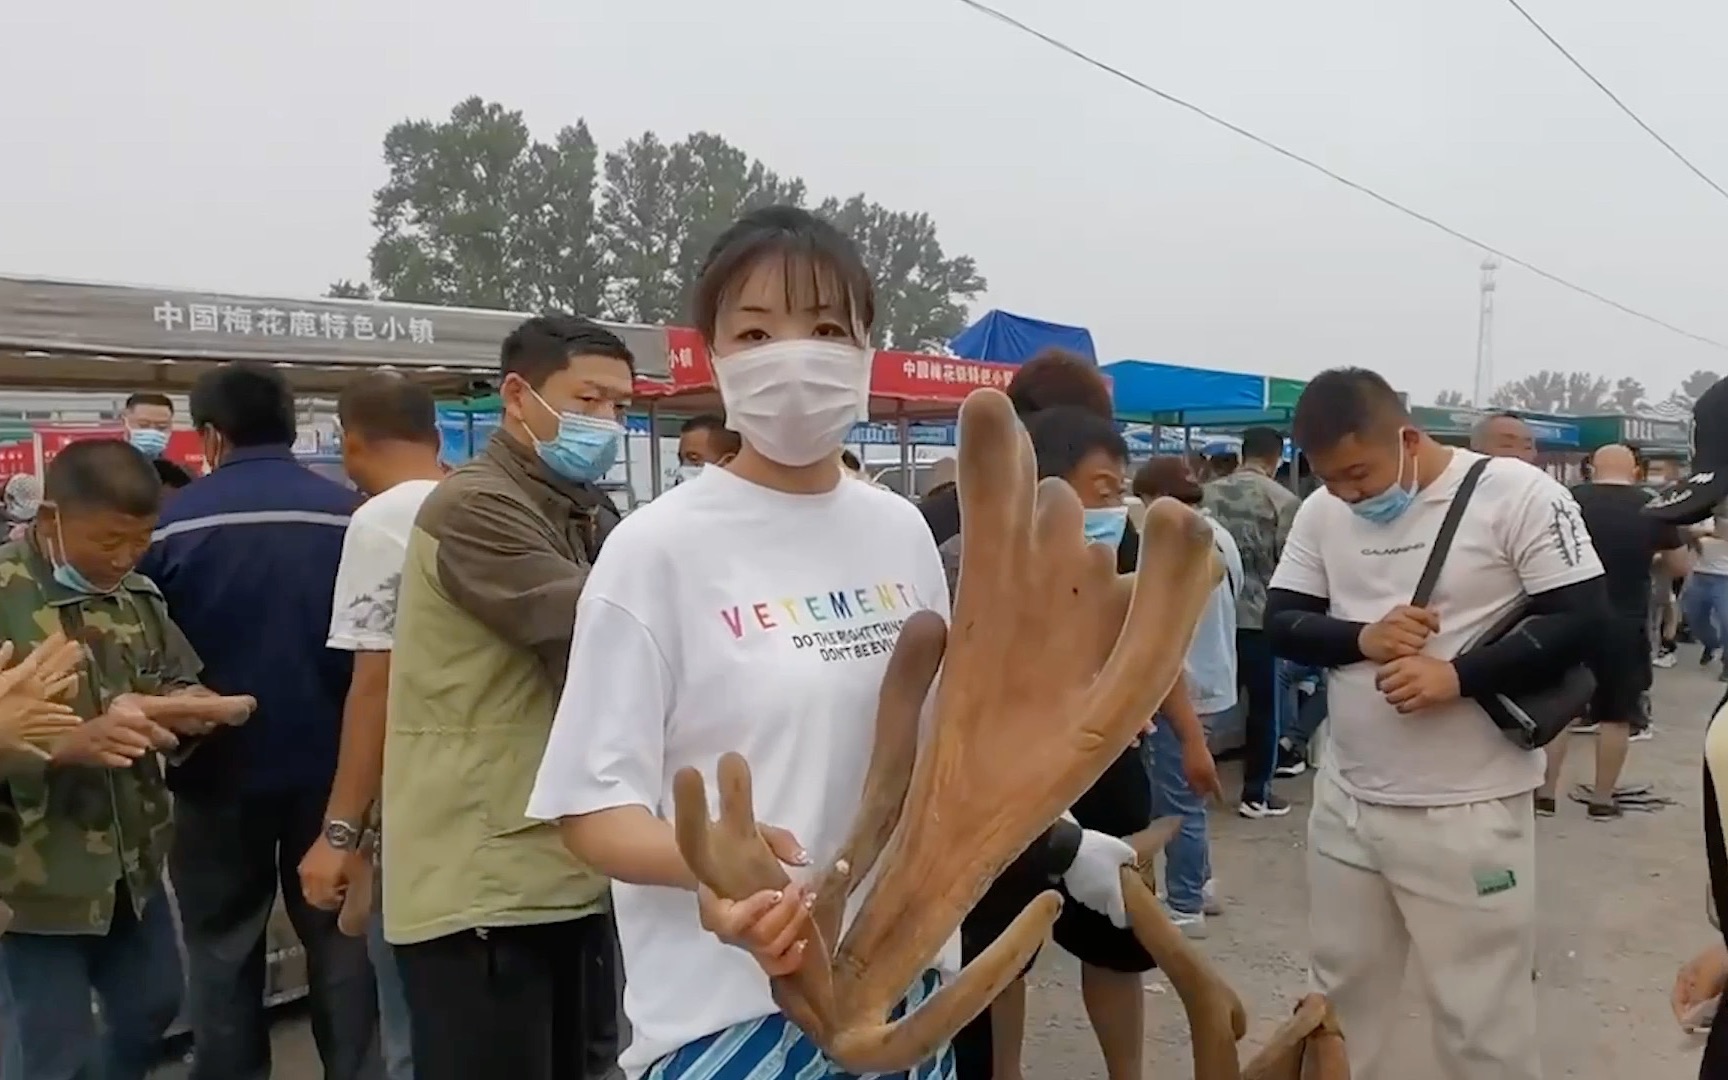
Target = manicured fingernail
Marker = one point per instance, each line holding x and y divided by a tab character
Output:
801	857
842	867
778	896
809	900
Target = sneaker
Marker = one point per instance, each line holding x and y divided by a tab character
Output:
1606	812
1290	762
1209	902
1545	807
1585	729
1192	925
1707	656
1643	734
1269	806
1664	659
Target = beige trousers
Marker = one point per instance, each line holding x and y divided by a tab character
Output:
1455	886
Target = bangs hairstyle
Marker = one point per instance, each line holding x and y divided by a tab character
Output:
811	251
1065	436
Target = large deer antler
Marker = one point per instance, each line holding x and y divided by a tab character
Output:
1024	722
1308	1046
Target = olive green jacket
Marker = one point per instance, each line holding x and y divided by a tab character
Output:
70	834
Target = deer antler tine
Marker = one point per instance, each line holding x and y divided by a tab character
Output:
1215	1015
1153	838
911	669
737	800
902	1045
1176	575
690	822
1281	1058
996	504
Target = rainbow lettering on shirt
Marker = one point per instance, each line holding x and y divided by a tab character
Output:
885	601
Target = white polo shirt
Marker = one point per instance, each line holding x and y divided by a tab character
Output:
1521	535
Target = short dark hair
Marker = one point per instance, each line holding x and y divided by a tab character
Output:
148	397
727	441
804	244
382	405
1057	377
1342	402
1167	476
1065	436
103	474
247	404
1263	443
173	477
544	345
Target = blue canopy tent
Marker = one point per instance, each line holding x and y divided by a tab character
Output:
1003	338
1150	393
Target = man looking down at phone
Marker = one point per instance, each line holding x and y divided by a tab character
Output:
85	824
1422	832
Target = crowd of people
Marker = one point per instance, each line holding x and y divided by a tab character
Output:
437	716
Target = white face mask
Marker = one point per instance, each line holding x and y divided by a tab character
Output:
795	401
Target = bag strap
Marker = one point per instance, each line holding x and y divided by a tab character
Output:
1448	530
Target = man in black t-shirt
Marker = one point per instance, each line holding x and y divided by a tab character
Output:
1628	542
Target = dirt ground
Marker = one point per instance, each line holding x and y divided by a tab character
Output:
1625	903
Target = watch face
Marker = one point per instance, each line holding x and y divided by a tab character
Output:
341	835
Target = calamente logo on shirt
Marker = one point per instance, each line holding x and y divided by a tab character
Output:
844	624
1402	549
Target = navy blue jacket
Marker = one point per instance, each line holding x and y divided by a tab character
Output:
247	559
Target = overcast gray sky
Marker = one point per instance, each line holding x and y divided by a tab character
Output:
235	146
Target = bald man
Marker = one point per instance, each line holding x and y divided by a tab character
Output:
1505	435
1629	543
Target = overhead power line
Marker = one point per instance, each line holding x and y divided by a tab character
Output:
1615	98
1384	200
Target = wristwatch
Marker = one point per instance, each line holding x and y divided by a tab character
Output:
342	836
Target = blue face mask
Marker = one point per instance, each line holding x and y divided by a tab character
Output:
69	576
148	441
1106	525
1389	505
584	449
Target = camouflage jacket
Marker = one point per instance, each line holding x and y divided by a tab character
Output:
1257	511
70	834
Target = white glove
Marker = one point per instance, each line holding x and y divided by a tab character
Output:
1095	879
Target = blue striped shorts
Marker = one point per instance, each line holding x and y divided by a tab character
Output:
774	1048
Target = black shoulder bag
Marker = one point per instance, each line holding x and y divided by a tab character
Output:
1528	719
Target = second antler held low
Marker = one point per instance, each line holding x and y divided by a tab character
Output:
1052	665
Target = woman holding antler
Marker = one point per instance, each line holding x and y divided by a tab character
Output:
752	609
85	822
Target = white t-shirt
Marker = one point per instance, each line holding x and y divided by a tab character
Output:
724	617
1712	555
1521	535
369	577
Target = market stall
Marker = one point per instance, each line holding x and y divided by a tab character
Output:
78	336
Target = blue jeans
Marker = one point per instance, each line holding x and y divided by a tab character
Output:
394	1038
1188	859
1704	601
46	983
1299	719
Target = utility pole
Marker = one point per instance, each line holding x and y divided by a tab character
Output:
1485	335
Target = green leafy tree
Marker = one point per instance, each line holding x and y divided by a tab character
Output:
1628	396
1695	385
921	293
639	222
1574	393
1452	399
476	213
350	290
